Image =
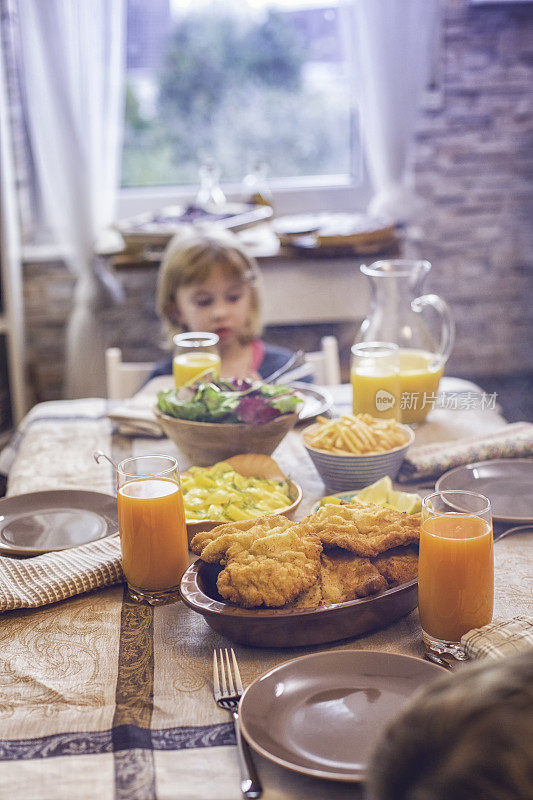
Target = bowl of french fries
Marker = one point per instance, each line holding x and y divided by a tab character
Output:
352	451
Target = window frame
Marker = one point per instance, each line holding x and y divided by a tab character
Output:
300	194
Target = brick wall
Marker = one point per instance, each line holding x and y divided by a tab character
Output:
473	160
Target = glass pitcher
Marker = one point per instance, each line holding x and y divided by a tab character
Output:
396	316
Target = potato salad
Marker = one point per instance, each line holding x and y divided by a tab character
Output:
220	493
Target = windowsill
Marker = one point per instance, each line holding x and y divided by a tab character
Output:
330	193
327	193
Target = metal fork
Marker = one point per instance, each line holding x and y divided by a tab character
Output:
227	690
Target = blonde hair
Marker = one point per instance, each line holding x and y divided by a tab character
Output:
189	258
466	736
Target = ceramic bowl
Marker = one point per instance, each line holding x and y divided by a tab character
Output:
284	627
344	472
205	443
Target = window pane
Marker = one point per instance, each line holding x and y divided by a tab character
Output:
237	82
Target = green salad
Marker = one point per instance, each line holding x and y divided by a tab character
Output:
248	402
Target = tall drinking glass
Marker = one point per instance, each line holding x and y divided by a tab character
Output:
455	568
375	378
195	357
153	535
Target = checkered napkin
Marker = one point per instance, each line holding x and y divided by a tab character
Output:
499	639
48	578
432	460
135	421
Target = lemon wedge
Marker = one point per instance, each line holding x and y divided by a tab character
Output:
409	502
330	500
378	492
382	493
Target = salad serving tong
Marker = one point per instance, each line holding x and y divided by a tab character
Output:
227	691
296	360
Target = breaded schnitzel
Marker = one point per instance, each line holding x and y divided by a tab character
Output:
398	565
271	570
230	545
264	524
365	530
309	598
274	562
345	576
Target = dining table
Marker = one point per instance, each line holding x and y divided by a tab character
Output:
102	697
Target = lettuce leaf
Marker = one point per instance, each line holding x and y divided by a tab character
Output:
247	402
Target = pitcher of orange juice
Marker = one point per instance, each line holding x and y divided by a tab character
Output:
396	316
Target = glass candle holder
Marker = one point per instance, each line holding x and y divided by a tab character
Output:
375	378
195	357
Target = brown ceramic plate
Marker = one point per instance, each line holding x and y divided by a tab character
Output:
251	465
40	522
283	627
505	481
316	400
351	694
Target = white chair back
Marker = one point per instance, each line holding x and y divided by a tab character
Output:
123	379
322	365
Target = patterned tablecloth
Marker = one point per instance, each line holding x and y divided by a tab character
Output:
102	698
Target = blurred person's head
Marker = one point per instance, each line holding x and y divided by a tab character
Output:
468	736
207	282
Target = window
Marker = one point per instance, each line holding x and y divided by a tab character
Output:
237	82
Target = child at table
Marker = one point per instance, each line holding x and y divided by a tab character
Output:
207	282
468	736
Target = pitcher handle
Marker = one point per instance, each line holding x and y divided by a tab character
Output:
447	337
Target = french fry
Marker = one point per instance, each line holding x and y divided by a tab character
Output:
359	435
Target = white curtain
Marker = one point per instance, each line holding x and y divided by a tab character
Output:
73	78
391	47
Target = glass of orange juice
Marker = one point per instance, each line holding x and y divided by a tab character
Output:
195	357
455	568
153	535
375	379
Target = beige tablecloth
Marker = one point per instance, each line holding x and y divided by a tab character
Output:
104	698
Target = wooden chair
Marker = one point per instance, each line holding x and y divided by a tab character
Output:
124	378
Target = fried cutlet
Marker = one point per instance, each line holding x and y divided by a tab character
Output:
260	524
398	565
365	530
345	576
230	545
309	598
271	570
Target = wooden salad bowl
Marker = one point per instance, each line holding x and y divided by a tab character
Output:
205	443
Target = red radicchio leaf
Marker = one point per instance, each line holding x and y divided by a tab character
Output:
254	411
